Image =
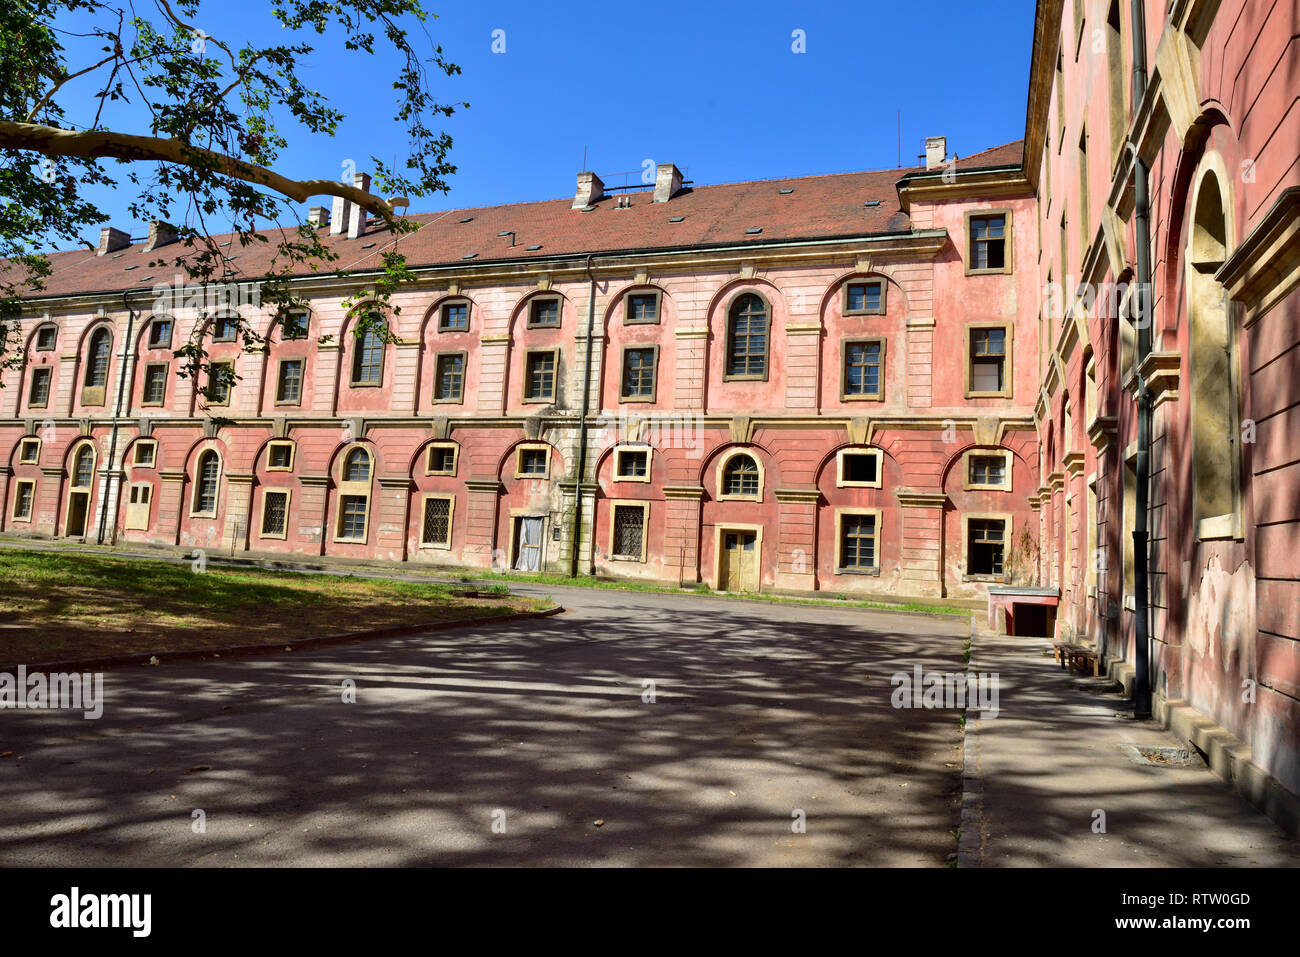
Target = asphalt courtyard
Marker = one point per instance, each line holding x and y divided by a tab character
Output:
634	729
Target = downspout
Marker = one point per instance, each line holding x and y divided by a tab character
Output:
582	426
1144	300
117	412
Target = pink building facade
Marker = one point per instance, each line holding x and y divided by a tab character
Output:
1218	128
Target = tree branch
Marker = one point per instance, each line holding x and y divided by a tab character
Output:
71	76
97	144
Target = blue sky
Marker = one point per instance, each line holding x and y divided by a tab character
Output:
714	87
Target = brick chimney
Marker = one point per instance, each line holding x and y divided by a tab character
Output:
160	234
668	182
590	189
357	214
318	216
111	240
936	151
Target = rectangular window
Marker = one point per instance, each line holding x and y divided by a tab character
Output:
544	313
747	339
279	456
220	379
436	528
987	470
288	385
629	533
160	334
985	540
454	317
441	460
864	369
294	326
29	452
859	468
352	517
539	376
24	499
642	307
155	383
1085	205
533	462
45	338
864	298
988	243
275	513
988	360
638	374
449	378
224	329
39	396
858	542
632	465
146	452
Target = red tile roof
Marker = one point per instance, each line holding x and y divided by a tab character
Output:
826	206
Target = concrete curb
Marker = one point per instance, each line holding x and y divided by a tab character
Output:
970	846
249	651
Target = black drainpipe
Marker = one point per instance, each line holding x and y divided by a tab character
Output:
1144	300
117	411
582	426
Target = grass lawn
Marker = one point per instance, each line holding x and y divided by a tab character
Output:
62	606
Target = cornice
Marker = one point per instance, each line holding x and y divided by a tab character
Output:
914	498
1265	267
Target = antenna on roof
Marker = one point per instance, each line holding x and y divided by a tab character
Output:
900	137
584	157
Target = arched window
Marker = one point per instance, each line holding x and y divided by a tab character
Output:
368	359
740	476
747	338
1214	409
97	360
206	478
353	520
83	467
356	467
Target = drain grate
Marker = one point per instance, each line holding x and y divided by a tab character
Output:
1160	756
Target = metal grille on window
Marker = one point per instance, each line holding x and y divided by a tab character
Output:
275	512
748	347
858	541
741	476
451	376
638	373
437	521
862	368
629	530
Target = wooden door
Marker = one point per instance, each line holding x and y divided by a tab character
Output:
739	562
